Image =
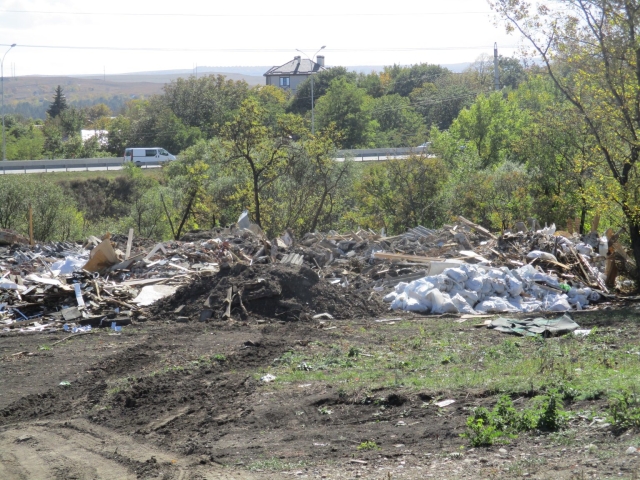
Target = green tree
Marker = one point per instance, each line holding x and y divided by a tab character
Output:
301	102
441	102
400	125
404	80
372	83
489	126
591	51
94	113
119	136
350	109
206	103
152	122
59	103
184	196
400	194
262	149
71	121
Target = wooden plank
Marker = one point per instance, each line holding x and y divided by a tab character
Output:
30	224
129	242
478	228
413	258
146	281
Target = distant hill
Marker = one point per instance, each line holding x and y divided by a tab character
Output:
30	95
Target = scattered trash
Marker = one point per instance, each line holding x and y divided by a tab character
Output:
445	403
73	329
268	378
149	294
64	383
582	333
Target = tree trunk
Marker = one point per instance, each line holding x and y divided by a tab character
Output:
256	199
634	233
314	223
185	215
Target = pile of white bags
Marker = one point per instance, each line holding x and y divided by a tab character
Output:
476	289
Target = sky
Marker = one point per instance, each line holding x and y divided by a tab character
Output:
67	37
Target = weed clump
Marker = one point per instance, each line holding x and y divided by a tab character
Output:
486	427
368	445
624	411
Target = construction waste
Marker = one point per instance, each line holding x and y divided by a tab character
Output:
237	272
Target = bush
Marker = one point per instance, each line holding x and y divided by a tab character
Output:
624	411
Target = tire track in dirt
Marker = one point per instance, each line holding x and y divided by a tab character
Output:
78	449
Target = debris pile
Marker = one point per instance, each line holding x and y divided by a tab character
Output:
237	272
67	286
275	291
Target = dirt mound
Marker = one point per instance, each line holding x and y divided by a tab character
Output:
283	292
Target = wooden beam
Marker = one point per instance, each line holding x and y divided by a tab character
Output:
129	242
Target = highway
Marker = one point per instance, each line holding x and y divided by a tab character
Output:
115	163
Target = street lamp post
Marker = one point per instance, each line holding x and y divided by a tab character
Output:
4	146
313	119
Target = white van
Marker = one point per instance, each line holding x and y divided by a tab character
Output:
147	155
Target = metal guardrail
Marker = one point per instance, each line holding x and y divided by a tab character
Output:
24	166
379	153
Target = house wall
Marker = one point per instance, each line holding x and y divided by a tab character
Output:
294	81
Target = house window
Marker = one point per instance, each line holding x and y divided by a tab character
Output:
284	81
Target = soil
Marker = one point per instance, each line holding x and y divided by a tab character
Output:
273	291
185	401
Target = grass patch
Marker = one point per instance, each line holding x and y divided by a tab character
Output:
45	347
274	465
443	356
624	410
84	175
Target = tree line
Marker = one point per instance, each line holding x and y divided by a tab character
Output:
558	141
392	108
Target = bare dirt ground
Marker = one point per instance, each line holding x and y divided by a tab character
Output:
185	401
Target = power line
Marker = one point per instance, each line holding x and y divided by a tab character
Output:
244	15
257	50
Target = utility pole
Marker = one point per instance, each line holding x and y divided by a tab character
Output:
4	145
313	118
496	74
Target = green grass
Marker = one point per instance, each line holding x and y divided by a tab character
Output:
439	357
368	445
111	174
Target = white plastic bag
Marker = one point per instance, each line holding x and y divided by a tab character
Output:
474	284
462	305
456	274
541	255
440	302
560	305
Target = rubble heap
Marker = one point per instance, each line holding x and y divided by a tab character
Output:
237	272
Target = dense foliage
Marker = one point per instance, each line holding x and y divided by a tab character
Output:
524	152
